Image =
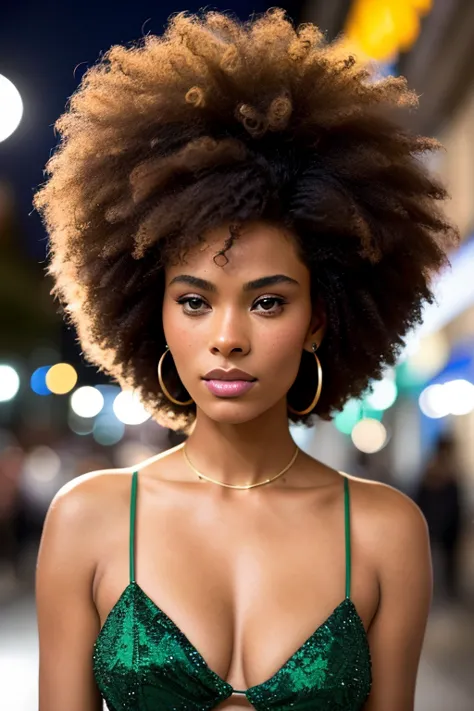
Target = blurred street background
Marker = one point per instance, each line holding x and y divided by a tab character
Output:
60	418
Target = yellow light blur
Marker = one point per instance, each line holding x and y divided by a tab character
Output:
382	28
406	23
422	6
61	378
372	28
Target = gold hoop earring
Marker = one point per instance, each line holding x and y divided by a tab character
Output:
162	384
315	400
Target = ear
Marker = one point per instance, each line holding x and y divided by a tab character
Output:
317	327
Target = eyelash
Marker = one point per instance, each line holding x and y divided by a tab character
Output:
194	312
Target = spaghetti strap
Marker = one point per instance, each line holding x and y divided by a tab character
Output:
347	518
133	505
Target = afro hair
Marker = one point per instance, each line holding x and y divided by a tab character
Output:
218	121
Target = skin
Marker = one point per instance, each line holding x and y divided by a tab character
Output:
243	573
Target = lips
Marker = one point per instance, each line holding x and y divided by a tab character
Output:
234	374
229	388
228	383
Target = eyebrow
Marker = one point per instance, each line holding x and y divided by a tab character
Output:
248	286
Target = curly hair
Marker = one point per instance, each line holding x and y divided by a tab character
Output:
221	120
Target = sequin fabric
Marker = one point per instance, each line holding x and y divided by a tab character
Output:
143	662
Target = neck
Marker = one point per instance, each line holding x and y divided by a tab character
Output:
244	453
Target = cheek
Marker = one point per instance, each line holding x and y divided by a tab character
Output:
283	349
174	327
181	339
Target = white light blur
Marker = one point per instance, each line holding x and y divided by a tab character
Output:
456	397
129	409
9	383
369	435
42	464
42	477
433	402
87	401
460	396
384	394
11	108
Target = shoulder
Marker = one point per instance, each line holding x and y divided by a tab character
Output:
395	537
391	523
86	495
83	509
99	495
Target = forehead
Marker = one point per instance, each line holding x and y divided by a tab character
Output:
259	248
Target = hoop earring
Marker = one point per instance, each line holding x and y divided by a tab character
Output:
315	400
162	384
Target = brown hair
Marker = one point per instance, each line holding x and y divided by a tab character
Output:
220	120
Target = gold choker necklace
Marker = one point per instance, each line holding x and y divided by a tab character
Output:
241	486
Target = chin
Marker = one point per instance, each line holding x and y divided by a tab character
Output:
232	413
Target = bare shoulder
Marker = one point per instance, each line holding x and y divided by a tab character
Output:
98	496
87	487
79	516
89	496
76	524
385	502
395	536
390	520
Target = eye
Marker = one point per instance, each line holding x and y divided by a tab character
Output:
193	304
271	305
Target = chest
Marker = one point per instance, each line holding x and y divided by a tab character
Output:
247	582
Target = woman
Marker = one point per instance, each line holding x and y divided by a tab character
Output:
243	232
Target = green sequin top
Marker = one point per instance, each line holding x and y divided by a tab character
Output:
143	662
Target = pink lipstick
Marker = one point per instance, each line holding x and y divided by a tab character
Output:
229	388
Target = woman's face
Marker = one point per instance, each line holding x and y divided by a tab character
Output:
254	313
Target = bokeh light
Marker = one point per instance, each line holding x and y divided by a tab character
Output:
460	394
369	435
9	382
129	409
384	394
108	430
87	401
11	108
80	425
61	378
455	397
38	380
42	476
433	402
350	415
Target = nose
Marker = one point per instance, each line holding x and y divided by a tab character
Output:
229	334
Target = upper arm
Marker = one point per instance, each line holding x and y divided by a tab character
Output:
398	628
67	619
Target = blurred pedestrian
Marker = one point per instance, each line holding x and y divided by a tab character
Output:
438	496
